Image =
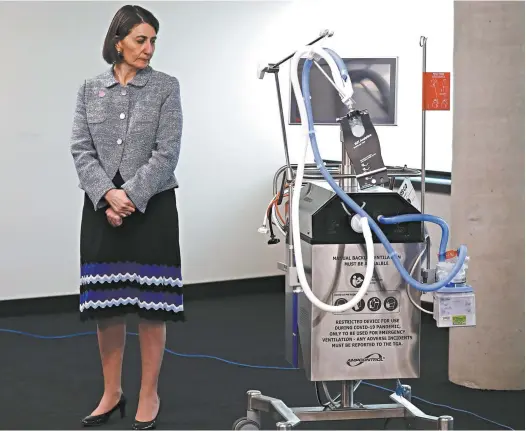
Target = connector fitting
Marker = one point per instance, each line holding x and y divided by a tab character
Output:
263	229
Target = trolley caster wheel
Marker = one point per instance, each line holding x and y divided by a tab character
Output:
245	424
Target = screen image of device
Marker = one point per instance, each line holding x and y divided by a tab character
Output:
374	84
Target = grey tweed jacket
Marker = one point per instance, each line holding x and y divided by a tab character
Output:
135	130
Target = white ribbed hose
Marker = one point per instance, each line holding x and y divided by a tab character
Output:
366	231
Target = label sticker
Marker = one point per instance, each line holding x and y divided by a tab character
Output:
459	320
436	91
407	191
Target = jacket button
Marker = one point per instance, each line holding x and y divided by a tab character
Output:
123	116
123	92
119	141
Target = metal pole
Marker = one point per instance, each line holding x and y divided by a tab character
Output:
423	44
348	393
323	34
445	423
428	253
291	262
283	129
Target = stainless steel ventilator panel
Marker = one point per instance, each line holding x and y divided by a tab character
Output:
380	337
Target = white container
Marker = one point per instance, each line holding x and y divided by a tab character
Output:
454	307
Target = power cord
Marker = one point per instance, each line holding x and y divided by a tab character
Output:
182	355
265	367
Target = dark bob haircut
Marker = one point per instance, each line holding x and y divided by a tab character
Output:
123	22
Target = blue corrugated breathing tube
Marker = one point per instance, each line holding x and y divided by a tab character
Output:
462	250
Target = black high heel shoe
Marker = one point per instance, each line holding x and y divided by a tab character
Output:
97	420
151	425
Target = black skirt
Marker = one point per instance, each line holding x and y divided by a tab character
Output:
133	268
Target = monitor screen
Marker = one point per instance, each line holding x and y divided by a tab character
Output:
374	85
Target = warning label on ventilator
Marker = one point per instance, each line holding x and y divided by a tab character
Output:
360	260
373	302
355	333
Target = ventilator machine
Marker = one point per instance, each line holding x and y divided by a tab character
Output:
354	249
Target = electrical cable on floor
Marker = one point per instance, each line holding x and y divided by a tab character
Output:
461	411
265	367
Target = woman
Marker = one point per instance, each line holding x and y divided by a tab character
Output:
125	145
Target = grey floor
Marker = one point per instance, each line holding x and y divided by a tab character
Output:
52	383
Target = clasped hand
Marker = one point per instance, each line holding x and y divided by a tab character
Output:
120	206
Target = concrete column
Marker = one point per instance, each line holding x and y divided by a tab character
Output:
488	190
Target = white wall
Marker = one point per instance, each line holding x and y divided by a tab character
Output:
231	141
380	28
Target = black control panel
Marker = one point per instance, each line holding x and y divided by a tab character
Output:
329	223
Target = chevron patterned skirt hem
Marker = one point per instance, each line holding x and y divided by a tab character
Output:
153	292
134	268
